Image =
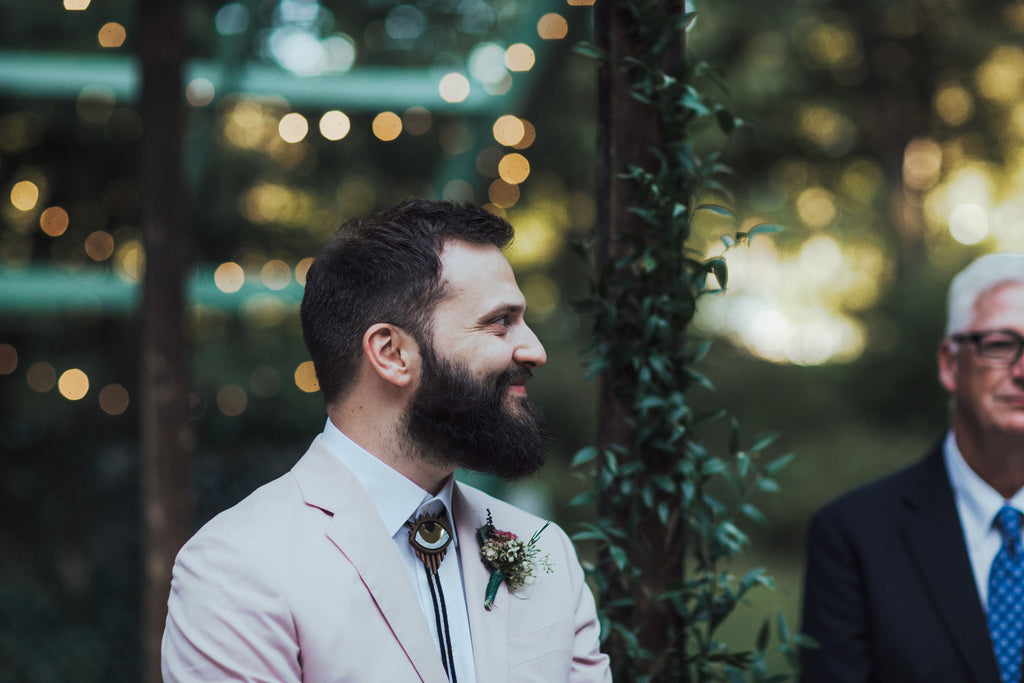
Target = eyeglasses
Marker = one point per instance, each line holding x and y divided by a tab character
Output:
999	346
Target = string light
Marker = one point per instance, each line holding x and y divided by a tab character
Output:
387	126
305	377
73	384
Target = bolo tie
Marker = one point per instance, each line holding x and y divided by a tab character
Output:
429	537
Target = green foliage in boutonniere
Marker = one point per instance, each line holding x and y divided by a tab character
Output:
509	558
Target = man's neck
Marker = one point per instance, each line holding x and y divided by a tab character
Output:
998	459
390	447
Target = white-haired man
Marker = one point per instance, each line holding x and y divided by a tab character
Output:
919	576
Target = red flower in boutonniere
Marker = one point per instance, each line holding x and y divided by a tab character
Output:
509	558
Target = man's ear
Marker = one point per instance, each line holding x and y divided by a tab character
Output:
392	352
947	365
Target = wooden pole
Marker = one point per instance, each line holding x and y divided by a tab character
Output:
629	132
167	440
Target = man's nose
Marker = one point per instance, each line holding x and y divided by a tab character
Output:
529	352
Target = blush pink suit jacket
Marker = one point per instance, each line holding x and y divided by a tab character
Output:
301	582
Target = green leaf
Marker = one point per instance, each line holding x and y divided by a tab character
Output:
753	513
764	636
584	498
717	208
762	229
726	121
777	464
764	441
590	50
584	455
784	633
721	271
769	485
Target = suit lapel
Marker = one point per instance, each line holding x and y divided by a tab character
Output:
489	628
359	533
933	533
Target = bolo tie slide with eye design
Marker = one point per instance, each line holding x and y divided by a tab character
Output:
429	537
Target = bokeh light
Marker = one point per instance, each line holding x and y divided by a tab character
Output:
454	87
276	274
112	34
8	359
529	135
514	168
335	125
417	120
73	384
552	26
232	400
293	127
387	126
305	377
24	195
200	92
41	376
229	277
76	5
99	245
520	57
503	195
114	399
54	221
968	223
301	268
509	130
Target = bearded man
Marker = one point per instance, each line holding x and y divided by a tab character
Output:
368	561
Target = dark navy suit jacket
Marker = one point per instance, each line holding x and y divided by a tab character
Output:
889	592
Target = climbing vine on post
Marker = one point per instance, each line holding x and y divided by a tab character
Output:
665	539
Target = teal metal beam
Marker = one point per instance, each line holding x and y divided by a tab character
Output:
368	88
41	290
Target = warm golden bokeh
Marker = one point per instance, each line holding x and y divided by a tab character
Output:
112	34
552	26
73	384
54	221
229	277
387	126
305	377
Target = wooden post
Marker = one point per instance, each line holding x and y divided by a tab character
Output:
628	133
167	440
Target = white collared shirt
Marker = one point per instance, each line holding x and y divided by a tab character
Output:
977	504
397	500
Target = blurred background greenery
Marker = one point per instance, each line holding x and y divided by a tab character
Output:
887	137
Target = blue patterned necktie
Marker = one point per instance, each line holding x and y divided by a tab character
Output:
1006	597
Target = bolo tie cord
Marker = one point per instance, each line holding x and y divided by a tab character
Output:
447	658
429	537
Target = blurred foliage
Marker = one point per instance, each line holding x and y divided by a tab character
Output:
877	127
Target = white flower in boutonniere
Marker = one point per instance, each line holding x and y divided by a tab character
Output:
509	558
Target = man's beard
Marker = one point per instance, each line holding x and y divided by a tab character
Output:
456	419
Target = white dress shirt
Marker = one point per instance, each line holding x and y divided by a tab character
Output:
977	504
398	500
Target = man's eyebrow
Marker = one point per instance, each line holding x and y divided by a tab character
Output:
505	308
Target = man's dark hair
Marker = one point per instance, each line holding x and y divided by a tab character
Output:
385	268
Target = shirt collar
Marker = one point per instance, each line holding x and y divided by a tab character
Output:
978	500
397	498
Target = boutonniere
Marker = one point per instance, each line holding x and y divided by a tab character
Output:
509	558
